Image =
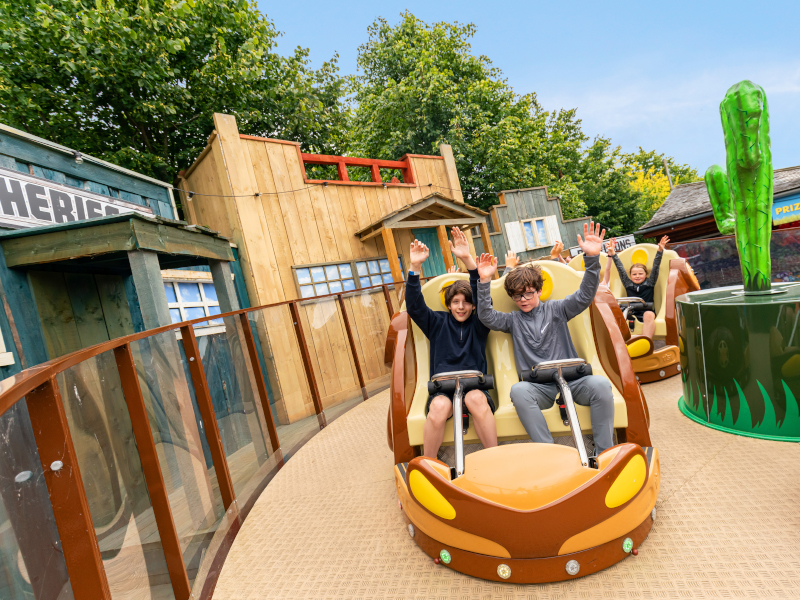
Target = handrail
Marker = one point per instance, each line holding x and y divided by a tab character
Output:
53	440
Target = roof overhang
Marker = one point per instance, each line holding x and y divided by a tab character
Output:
102	245
431	211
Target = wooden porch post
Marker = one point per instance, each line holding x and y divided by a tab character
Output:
441	231
391	254
487	242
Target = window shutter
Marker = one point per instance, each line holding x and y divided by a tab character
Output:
553	232
516	238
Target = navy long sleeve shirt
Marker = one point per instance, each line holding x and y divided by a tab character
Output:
454	346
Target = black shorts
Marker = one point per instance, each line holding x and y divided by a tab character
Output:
463	404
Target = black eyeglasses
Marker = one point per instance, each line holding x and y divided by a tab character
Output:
527	296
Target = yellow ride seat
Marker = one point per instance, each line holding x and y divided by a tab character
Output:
645	254
560	282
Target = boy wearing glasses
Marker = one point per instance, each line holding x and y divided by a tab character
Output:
457	343
539	333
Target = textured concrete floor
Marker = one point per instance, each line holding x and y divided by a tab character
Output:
328	526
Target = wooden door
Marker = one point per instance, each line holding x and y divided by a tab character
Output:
435	263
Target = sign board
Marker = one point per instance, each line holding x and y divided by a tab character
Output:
786	210
623	243
28	201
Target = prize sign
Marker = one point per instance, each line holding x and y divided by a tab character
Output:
28	201
786	210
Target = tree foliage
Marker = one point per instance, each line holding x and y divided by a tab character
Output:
420	85
136	81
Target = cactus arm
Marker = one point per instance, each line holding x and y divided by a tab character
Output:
745	122
720	197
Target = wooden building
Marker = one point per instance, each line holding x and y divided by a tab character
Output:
299	237
530	222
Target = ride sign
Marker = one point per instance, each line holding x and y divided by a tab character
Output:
28	201
623	243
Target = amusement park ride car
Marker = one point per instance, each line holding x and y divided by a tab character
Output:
524	512
675	278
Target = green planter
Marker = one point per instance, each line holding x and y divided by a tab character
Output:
740	360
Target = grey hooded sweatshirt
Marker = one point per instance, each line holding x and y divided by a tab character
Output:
542	334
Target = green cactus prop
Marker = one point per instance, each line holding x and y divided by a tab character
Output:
742	197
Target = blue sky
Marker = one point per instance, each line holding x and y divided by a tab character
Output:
647	74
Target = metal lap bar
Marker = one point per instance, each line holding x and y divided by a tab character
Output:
458	432
629	301
566	394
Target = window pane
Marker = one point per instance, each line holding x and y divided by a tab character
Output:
387	278
376	280
190	292
529	237
195	312
336	287
349	284
345	270
542	232
365	282
384	263
306	291
215	310
210	292
361	267
175	315
373	267
317	273
303	276
321	289
331	272
170	292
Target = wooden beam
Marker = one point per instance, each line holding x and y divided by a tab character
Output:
341	171
472	222
487	242
149	286
495	220
444	243
452	173
391	254
376	173
375	232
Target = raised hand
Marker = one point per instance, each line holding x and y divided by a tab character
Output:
511	259
487	267
555	253
419	254
592	241
663	243
460	247
611	246
453	269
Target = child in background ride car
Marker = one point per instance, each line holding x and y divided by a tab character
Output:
539	333
457	343
639	285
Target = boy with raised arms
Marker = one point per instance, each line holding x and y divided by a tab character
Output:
457	343
539	333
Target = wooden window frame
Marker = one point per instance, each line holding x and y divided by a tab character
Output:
354	270
205	303
533	221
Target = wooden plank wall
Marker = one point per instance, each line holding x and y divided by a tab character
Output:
292	223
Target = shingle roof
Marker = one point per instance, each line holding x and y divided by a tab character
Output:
690	199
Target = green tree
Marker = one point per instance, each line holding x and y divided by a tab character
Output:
420	85
136	81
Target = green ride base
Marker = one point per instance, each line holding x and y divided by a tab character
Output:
740	360
763	436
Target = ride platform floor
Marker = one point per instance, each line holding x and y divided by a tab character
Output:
328	526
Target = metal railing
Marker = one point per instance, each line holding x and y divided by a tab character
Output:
150	452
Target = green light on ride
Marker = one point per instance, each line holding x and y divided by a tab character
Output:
445	557
627	545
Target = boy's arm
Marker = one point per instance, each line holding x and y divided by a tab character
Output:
576	303
422	315
496	321
474	278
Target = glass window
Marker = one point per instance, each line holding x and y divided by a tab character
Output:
373	267
171	297
345	270
210	292
336	287
194	312
361	267
364	281
349	284
529	236
384	264
376	280
303	276
320	289
331	272
190	292
387	278
175	315
215	310
542	233
317	274
306	291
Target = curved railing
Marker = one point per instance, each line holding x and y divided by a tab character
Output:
127	468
